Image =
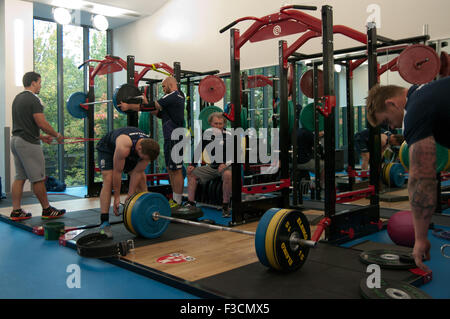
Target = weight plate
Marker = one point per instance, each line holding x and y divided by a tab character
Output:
307	118
390	259
126	93
397	175
211	89
391	289
290	255
260	237
418	64
142	215
442	157
73	105
128	210
307	83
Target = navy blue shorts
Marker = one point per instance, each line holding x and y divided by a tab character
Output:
106	162
170	163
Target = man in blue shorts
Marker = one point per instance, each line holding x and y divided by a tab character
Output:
170	109
424	114
124	150
28	119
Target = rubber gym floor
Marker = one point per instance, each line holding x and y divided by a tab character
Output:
34	268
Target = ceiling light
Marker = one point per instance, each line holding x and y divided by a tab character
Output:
62	15
337	68
100	22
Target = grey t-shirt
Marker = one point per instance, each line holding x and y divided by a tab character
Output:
26	104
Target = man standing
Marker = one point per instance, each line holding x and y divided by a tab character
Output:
424	113
28	118
170	109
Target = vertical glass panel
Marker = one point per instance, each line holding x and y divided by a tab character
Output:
45	64
97	51
74	153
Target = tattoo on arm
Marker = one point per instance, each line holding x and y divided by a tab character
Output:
422	182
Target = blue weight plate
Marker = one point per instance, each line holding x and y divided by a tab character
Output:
73	105
114	99
397	175
142	215
260	237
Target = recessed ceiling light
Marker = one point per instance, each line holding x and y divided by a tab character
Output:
100	22
62	15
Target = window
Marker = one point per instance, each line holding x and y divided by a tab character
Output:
46	53
45	47
74	163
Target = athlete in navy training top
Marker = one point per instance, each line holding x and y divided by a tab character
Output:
424	113
128	150
170	109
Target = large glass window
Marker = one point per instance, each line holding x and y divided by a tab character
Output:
74	163
45	62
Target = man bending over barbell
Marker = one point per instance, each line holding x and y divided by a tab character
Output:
124	150
424	113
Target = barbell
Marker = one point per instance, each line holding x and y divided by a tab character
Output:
77	104
282	237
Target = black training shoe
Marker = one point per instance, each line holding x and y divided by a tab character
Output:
52	212
20	214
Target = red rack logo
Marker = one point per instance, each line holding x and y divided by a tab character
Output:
174	258
276	30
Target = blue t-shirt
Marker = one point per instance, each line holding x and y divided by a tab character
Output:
108	144
428	112
172	113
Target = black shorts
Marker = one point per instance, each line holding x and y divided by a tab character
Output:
106	162
361	145
170	163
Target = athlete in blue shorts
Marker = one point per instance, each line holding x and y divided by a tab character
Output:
424	114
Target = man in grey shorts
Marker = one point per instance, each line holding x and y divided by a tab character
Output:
214	168
28	118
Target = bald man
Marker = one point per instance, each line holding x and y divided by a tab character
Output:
170	109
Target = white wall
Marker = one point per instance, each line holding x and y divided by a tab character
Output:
16	44
188	31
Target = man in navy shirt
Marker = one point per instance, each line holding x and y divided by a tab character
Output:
128	150
424	113
170	109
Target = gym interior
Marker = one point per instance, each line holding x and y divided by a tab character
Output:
283	66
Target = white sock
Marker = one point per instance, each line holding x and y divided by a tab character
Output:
177	197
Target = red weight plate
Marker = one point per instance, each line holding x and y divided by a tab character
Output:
445	64
211	89
418	64
307	83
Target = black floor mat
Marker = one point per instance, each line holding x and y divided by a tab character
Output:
32	199
330	272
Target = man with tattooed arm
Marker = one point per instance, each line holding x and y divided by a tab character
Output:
424	114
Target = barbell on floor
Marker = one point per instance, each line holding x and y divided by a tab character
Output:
282	238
